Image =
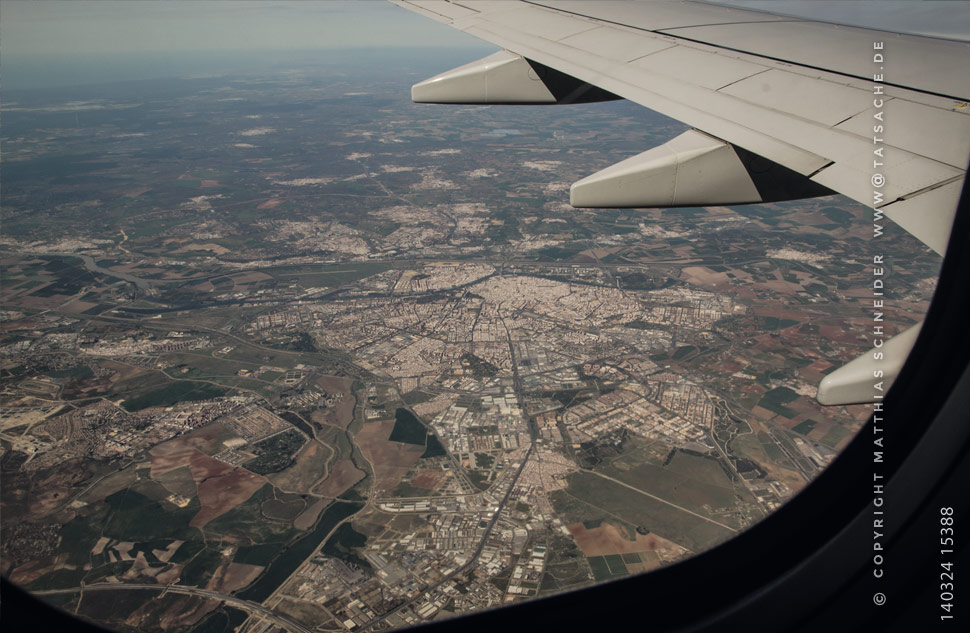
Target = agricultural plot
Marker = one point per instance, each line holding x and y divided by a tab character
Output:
179	391
608	499
697	483
343	475
390	460
776	399
245	524
309	465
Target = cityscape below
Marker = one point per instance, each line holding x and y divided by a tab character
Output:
283	351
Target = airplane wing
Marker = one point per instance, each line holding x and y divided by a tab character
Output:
782	108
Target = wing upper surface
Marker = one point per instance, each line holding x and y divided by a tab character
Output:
798	92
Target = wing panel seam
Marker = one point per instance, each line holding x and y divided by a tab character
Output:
744	52
694	26
920	192
728	85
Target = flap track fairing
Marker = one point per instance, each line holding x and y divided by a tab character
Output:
506	78
692	170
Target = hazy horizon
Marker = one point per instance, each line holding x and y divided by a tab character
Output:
75	42
58	44
94	69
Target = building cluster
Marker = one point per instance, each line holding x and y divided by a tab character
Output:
105	431
253	422
132	345
625	408
290	317
445	566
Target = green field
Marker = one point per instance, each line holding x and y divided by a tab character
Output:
616	565
180	481
136	517
601	571
179	391
404	489
260	554
79	372
770	448
416	397
835	435
748	445
127	515
260	356
689	491
205	366
687	479
839	216
327	276
700	468
607	567
776	399
200	569
774	323
246	521
617	501
284	510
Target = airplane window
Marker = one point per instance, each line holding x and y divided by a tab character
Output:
282	350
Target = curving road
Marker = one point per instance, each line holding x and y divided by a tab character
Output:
246	605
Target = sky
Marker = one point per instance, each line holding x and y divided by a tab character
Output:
49	43
59	27
948	19
60	42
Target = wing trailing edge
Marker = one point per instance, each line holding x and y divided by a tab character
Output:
506	78
782	109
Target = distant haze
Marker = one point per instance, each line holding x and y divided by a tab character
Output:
948	19
57	42
67	42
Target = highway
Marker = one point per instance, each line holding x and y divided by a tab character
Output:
251	607
517	385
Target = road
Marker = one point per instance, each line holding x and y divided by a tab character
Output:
517	386
647	494
471	562
251	607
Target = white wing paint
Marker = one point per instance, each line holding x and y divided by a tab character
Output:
807	96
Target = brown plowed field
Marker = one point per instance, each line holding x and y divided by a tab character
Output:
608	539
343	475
229	578
221	487
428	479
306	520
310	465
342	413
178	452
391	460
